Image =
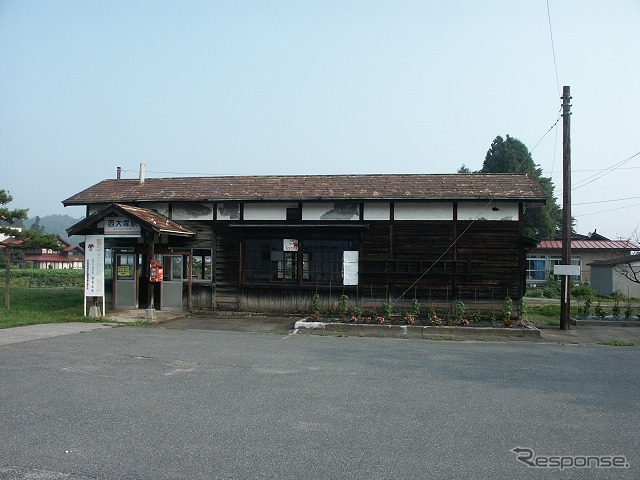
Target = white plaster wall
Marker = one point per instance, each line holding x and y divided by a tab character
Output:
161	208
626	286
377	211
423	211
267	211
228	211
192	211
96	208
330	211
507	211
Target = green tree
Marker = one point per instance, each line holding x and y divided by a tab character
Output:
37	226
510	155
464	169
18	239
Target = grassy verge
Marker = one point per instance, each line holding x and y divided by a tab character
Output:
31	306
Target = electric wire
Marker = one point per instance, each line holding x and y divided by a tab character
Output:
553	50
606	171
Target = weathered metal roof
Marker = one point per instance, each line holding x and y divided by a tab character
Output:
314	187
633	260
589	245
148	219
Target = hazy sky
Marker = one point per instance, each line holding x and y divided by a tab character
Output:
317	87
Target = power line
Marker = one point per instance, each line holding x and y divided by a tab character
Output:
605	211
594	169
607	201
553	50
606	171
547	132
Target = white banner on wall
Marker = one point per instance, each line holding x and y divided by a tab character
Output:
94	268
350	267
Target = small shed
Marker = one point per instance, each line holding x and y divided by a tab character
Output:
607	276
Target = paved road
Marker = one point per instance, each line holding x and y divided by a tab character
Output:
159	403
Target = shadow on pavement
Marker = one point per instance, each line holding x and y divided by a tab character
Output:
232	323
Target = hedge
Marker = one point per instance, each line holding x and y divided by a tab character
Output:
34	277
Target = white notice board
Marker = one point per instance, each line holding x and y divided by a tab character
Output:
350	267
94	268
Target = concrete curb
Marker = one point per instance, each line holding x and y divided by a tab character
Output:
529	333
607	323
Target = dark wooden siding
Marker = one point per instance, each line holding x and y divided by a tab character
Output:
440	261
424	259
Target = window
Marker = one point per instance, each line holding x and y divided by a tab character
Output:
536	268
323	260
202	268
280	260
539	267
271	261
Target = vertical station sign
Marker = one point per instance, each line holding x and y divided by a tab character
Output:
94	269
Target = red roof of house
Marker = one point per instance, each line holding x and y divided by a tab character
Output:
589	245
52	258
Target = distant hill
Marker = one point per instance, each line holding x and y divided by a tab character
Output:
56	224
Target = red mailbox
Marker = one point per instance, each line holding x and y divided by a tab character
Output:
156	271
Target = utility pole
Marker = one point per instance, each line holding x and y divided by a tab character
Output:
565	302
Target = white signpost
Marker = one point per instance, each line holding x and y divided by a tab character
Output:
567	271
94	270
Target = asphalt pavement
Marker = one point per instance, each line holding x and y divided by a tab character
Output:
578	334
166	402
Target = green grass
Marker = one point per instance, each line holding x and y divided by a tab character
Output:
618	343
31	306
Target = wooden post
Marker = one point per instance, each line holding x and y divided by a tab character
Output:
7	279
565	301
151	286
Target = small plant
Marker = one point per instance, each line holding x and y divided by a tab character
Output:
618	343
492	318
617	296
386	310
357	314
460	314
435	320
551	288
343	304
587	307
415	308
448	318
431	312
316	306
628	313
331	309
522	309
476	317
506	312
599	311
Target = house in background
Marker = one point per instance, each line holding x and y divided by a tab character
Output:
607	276
68	256
269	243
585	249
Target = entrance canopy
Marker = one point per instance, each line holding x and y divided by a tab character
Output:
141	218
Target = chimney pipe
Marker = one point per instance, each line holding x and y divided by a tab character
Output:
119	173
143	167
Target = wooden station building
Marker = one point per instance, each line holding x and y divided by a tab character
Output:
268	243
